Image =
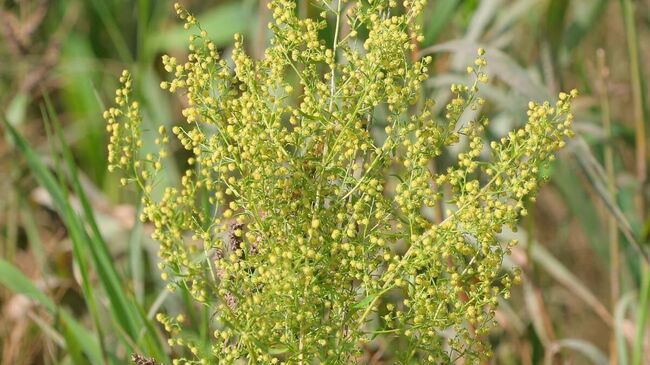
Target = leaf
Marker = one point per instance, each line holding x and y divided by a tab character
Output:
129	315
15	281
486	11
555	18
73	347
587	349
87	245
278	350
500	64
583	21
557	271
221	23
17	108
597	176
581	206
622	307
508	16
642	317
440	15
77	99
109	21
536	315
365	302
560	273
136	259
157	111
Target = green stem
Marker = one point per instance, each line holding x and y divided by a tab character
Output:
642	317
612	225
334	48
627	9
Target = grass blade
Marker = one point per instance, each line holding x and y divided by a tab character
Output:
619	322
136	259
587	349
642	318
555	18
102	9
561	274
122	306
73	347
500	64
636	76
439	16
570	281
584	21
221	23
15	281
598	177
75	227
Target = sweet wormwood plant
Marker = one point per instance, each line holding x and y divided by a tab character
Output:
303	231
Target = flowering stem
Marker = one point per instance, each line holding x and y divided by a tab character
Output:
334	48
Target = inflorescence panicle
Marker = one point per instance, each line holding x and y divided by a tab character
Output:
303	218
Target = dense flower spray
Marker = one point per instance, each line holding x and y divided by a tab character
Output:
301	222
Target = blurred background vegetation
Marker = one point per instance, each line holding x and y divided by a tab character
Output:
78	276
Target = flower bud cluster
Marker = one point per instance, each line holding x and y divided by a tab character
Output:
300	221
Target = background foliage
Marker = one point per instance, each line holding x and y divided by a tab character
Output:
78	272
